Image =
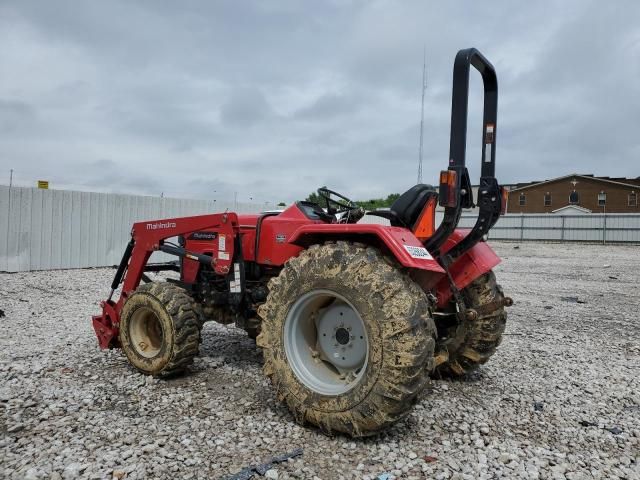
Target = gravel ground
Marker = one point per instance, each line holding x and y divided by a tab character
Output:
561	398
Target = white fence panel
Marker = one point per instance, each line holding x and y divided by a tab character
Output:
623	228
583	228
4	228
53	229
547	227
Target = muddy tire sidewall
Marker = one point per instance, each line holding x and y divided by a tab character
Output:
156	363
180	322
472	342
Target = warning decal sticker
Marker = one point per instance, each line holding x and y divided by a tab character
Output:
418	252
489	135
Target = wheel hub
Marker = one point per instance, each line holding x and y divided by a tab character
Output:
341	337
325	342
146	333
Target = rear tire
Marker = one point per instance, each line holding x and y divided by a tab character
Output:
159	329
253	331
462	348
382	385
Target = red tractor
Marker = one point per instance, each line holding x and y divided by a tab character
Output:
352	318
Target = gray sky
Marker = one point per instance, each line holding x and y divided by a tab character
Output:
273	99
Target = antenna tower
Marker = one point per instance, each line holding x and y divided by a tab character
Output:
424	88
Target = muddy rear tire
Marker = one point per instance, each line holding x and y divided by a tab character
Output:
253	331
462	348
159	329
355	287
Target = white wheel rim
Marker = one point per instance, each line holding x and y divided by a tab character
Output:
326	342
145	332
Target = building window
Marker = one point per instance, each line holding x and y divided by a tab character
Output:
602	199
547	199
574	198
633	199
523	200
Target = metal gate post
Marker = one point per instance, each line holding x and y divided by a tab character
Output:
521	226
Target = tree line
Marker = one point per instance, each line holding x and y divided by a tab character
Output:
371	204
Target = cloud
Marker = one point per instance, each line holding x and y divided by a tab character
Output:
15	115
271	100
244	108
330	106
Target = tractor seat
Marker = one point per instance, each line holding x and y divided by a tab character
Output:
404	212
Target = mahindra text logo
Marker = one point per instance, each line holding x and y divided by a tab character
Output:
156	226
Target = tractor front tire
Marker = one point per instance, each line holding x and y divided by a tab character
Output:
463	347
347	339
159	329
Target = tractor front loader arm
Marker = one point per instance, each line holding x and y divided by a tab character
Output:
148	237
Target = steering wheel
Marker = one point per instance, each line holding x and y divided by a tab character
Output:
345	204
352	211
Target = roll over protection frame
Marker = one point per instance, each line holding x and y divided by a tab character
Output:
489	195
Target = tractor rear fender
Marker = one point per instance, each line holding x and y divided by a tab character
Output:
398	242
472	264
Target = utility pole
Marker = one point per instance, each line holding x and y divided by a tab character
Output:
235	200
10	178
424	88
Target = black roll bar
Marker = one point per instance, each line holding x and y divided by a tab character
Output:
489	198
